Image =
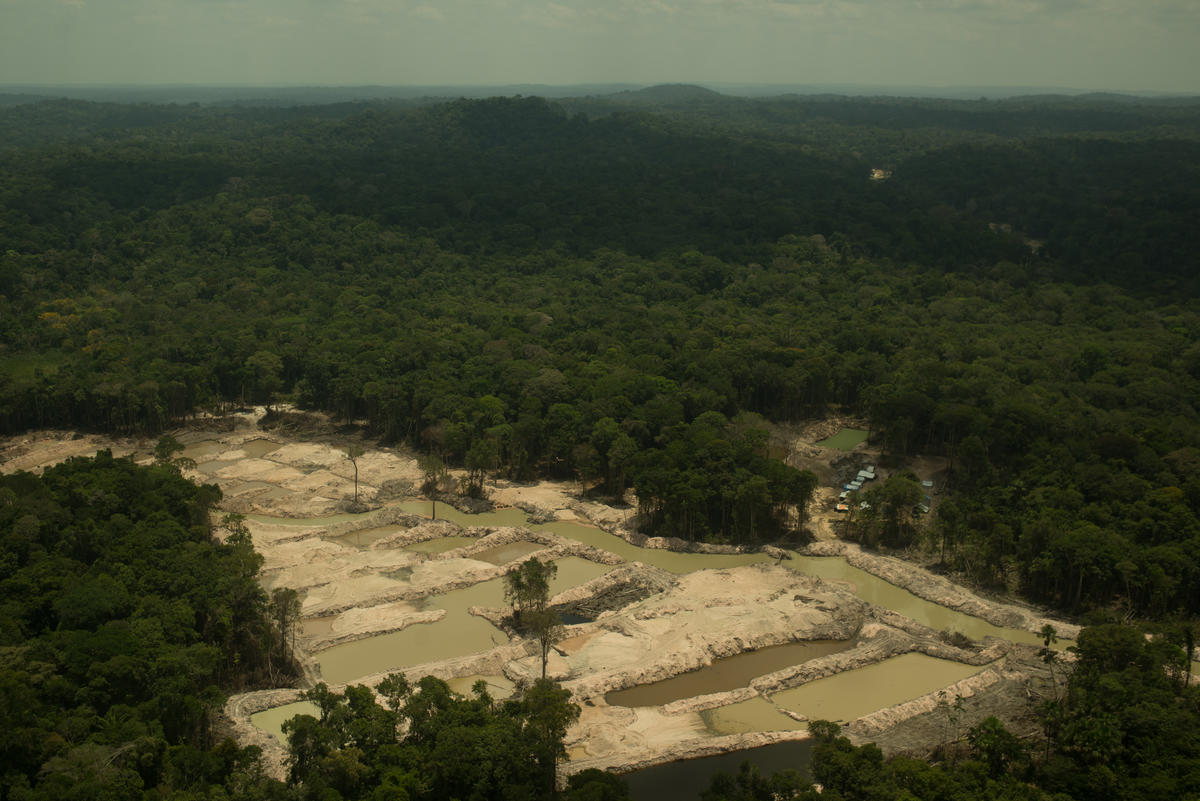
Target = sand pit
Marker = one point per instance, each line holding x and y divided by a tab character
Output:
649	624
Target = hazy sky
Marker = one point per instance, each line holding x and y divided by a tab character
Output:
1086	44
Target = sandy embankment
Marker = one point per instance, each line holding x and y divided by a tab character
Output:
940	590
662	624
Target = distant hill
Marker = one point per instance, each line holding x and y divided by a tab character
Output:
669	93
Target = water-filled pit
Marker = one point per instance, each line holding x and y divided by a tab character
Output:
842	696
725	674
685	780
845	440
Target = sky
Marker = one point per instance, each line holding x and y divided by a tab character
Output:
1118	45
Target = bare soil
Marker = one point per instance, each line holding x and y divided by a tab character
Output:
649	625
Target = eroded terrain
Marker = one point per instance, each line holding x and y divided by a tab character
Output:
392	590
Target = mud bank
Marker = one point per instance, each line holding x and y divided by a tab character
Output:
362	576
940	590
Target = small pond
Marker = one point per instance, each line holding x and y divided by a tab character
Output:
513	551
726	674
270	720
363	537
845	440
258	448
843	696
457	634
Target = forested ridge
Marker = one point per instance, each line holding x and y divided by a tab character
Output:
622	290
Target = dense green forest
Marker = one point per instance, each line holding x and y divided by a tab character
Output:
123	622
625	290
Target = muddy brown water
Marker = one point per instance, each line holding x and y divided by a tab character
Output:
365	536
573	571
459	633
503	554
843	696
271	720
726	674
258	448
867	586
875	590
205	449
214	465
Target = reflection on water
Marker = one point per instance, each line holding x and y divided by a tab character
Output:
726	674
686	780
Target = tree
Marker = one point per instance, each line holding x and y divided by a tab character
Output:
596	785
285	612
166	448
353	451
548	712
527	587
1048	654
433	473
545	626
994	745
264	369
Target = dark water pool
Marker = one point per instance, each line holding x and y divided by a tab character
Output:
687	779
